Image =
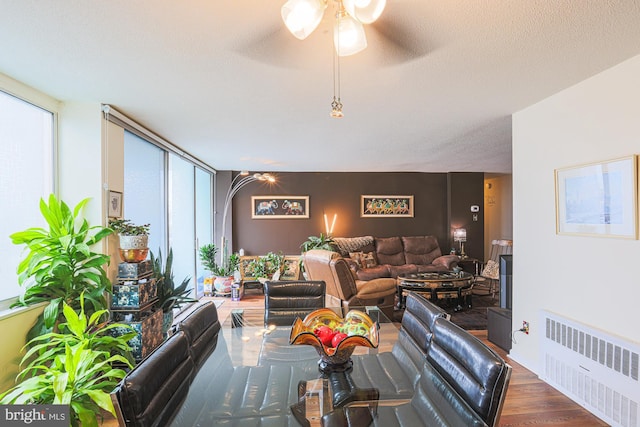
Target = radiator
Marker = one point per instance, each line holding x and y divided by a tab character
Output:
597	370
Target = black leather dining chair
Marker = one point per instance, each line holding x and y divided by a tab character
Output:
476	372
397	373
201	327
151	393
286	300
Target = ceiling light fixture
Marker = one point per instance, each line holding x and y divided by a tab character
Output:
302	17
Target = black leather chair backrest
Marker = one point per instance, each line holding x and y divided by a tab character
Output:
286	300
438	404
415	332
201	327
151	393
476	372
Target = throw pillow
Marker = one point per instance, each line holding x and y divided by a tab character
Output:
369	260
351	244
491	270
357	257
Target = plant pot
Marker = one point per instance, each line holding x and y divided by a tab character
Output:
222	284
134	248
167	321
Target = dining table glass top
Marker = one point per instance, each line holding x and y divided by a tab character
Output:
255	375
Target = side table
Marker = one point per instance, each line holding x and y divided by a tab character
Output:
470	265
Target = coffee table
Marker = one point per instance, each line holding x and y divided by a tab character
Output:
437	286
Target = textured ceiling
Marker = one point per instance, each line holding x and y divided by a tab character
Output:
224	80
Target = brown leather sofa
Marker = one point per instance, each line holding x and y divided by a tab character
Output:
394	256
342	287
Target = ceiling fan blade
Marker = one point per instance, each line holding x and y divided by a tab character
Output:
399	43
275	46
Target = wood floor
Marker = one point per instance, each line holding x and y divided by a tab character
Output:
529	401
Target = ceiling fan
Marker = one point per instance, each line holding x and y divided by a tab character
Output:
396	31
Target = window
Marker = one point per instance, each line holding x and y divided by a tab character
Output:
173	195
182	217
145	199
26	175
204	220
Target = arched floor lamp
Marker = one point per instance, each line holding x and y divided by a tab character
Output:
239	181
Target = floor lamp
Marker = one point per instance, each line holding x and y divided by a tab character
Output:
239	181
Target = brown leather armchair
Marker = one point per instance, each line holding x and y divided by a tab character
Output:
343	289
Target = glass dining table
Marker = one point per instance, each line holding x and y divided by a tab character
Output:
255	377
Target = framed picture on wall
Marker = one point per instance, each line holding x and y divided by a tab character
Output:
115	204
598	199
274	207
386	206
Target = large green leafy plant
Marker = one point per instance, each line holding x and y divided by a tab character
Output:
60	264
78	367
170	296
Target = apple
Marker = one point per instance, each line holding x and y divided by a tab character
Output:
325	334
337	338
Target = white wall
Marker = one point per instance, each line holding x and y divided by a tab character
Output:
591	280
80	158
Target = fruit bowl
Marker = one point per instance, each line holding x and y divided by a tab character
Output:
335	354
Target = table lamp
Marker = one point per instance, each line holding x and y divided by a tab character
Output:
460	235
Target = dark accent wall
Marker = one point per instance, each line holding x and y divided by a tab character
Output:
466	189
339	193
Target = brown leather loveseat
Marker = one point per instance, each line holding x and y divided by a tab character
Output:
376	257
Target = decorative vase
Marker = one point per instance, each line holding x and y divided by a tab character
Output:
360	330
167	321
134	248
222	284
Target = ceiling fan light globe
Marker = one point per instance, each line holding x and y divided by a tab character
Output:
365	11
302	17
348	36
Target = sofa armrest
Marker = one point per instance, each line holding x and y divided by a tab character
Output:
446	261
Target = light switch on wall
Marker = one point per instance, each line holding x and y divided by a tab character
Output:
475	217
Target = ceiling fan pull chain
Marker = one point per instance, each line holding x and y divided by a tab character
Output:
336	105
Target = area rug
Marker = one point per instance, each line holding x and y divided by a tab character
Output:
474	318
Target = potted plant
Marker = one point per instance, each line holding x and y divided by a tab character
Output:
322	241
60	265
170	296
223	273
318	242
78	367
134	239
267	267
